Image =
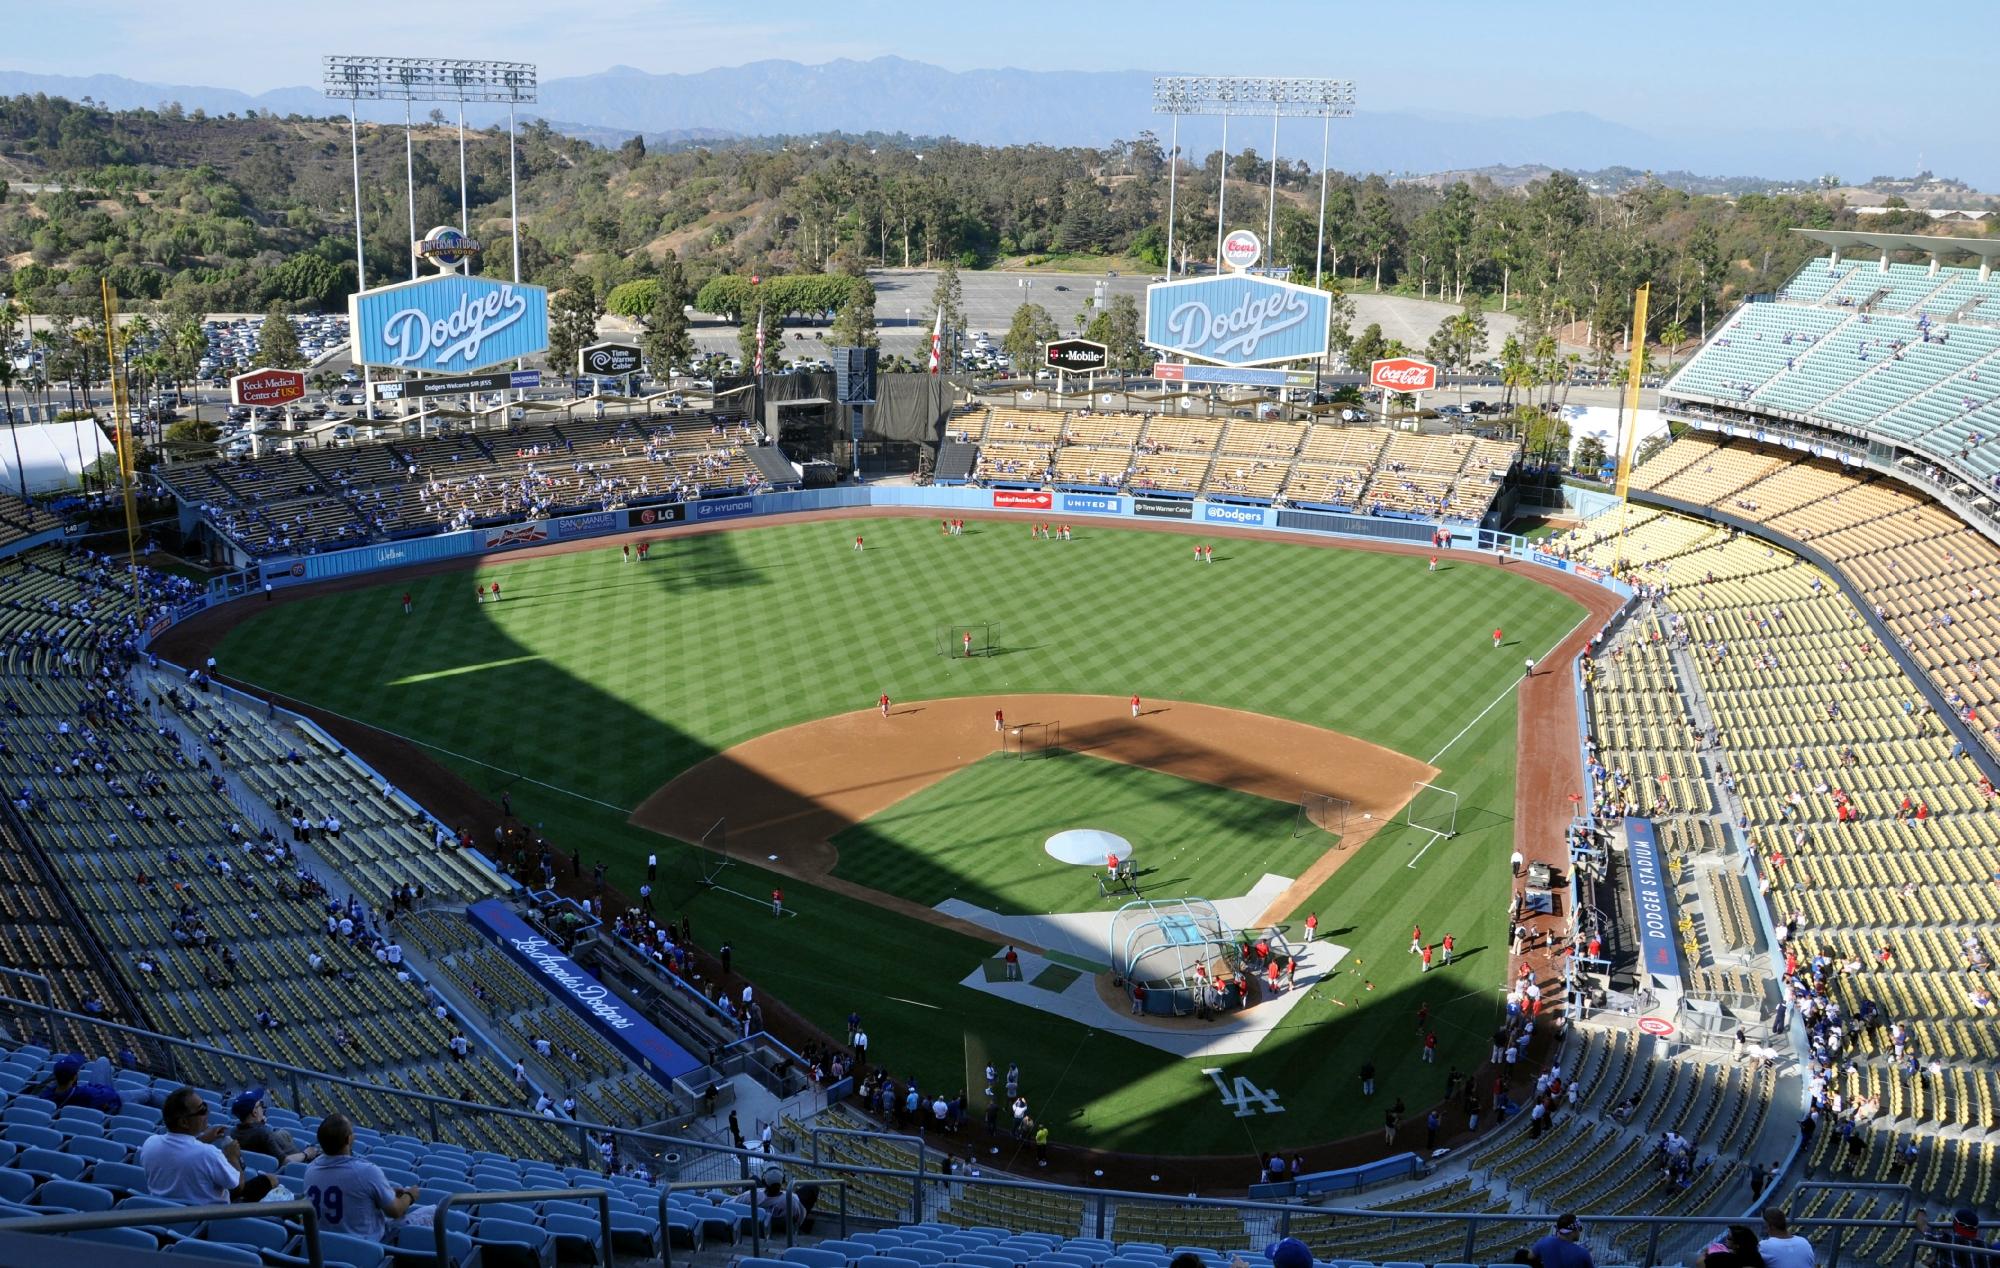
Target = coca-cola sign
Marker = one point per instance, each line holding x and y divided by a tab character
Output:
1402	374
1239	320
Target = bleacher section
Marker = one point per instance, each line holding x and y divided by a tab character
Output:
1911	354
328	498
1366	469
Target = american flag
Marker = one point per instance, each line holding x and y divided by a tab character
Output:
757	366
937	341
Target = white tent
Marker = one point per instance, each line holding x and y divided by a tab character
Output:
54	454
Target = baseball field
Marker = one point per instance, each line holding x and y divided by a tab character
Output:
737	675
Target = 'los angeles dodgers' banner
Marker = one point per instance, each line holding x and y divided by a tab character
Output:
611	1016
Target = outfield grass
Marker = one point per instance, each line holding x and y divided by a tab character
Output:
603	679
977	836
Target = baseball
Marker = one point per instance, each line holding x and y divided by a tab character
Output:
1366	815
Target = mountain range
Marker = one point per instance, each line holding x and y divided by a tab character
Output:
1008	106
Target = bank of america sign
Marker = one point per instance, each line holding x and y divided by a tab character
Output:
448	324
1238	320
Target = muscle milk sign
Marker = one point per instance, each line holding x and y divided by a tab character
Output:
448	324
1237	321
1652	902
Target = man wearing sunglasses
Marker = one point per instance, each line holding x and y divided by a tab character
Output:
184	1162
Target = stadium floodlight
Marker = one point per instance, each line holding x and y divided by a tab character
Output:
1224	96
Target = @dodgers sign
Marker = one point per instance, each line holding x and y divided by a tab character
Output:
449	324
1239	320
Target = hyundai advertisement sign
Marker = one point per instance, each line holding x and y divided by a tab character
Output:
448	324
723	508
1238	321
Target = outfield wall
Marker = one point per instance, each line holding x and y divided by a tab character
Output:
1138	508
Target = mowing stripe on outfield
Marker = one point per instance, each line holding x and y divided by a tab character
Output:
1496	700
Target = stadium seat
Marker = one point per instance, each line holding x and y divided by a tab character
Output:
260	1234
96	1148
511	1244
636	1233
47	1164
350	1252
73	1195
122	1178
128	1238
15	1186
215	1251
32	1135
815	1257
576	1237
417	1248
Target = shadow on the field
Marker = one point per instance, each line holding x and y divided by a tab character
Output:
1478	818
1010	651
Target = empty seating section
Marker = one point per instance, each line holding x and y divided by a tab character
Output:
1017	446
1754	344
1911	354
1335	464
1809	709
335	497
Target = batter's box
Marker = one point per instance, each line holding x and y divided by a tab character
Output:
1055	978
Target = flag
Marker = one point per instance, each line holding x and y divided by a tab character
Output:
757	366
937	341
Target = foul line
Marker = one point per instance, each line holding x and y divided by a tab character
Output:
1496	700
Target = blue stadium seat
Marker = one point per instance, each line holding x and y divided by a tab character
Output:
417	1248
996	1259
511	1244
505	1211
128	1238
15	1186
122	1178
576	1237
81	1113
260	1234
98	1149
350	1252
683	1229
886	1261
752	1261
716	1222
635	1233
216	1251
16	1112
32	1135
815	1257
73	1195
48	1164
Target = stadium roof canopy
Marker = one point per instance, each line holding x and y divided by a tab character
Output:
1986	250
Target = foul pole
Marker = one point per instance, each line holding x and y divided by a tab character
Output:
1635	371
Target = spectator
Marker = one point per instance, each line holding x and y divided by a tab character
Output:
351	1194
66	1089
255	1134
1563	1247
781	1209
1964	1232
1736	1248
184	1162
1781	1247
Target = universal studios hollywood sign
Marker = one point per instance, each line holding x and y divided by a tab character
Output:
1240	320
448	324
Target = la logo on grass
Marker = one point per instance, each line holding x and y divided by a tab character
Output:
1241	1096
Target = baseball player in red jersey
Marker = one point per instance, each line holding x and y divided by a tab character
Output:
966	643
857	543
1197	554
406	603
496	592
1434	563
1135	706
883	704
1497	632
999	720
1416	939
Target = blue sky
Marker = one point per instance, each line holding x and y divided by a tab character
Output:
1696	64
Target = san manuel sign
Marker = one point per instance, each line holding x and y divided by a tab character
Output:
448	324
1239	320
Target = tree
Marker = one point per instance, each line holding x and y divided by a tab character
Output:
854	324
1031	330
7	381
1460	339
1673	335
667	342
1590	456
949	297
1367	346
573	315
278	341
634	299
1116	326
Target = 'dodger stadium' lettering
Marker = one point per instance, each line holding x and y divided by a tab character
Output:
457	335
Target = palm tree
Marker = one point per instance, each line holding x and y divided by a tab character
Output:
7	381
1673	336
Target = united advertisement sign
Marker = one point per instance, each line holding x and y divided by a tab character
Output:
448	324
1238	321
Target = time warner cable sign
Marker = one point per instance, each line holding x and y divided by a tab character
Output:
1238	321
448	324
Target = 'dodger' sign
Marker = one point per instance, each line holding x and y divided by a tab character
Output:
1237	321
448	324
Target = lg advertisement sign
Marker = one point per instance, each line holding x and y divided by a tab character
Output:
1241	320
1402	374
448	324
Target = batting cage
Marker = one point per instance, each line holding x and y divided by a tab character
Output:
1321	812
1032	739
1162	942
964	638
